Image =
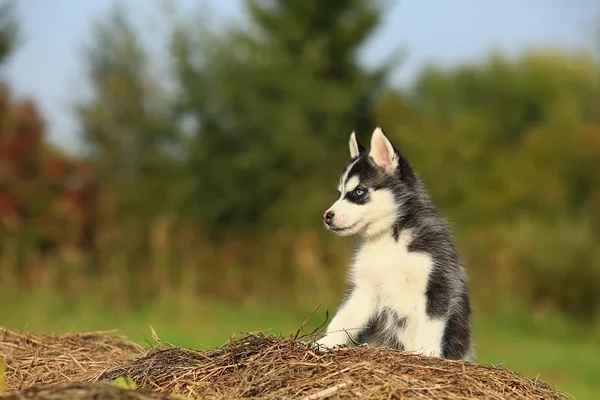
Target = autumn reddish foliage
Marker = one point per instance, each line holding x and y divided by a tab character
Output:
41	189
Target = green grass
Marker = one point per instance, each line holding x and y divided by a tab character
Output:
546	346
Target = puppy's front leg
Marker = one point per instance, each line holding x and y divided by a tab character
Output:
352	317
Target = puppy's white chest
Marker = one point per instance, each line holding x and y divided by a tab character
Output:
396	276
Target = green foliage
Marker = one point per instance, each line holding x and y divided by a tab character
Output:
270	104
124	382
126	125
506	116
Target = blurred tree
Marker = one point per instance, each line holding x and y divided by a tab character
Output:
9	30
273	105
127	128
126	124
538	104
41	211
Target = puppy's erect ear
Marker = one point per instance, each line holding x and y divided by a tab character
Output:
382	151
355	148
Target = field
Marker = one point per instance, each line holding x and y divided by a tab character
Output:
540	345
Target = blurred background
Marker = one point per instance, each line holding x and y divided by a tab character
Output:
166	163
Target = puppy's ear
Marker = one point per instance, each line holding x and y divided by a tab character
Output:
355	148
382	151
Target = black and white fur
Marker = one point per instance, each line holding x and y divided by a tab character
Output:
408	288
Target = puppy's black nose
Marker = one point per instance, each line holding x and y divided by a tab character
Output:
328	216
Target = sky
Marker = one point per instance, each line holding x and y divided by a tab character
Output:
49	64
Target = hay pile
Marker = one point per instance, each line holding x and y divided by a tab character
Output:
37	358
267	366
259	366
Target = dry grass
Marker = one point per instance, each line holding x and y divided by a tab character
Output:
84	391
256	366
37	358
260	366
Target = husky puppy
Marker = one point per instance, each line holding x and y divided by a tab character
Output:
408	288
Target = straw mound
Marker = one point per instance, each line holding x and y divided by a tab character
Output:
37	358
85	391
254	366
258	366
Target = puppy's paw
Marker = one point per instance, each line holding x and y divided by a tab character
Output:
325	345
320	348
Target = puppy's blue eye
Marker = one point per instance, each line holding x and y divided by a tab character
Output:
359	192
